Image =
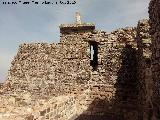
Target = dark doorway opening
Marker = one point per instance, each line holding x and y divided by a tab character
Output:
94	55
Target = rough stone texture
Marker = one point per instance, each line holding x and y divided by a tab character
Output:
56	108
144	69
154	16
126	83
113	85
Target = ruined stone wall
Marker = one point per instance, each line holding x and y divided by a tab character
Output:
47	70
117	43
112	81
124	69
154	16
65	107
34	68
144	68
52	70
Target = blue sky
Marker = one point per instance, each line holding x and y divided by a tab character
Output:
40	23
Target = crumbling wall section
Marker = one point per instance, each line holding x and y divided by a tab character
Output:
144	68
47	70
112	81
55	108
154	16
122	67
34	68
60	108
51	69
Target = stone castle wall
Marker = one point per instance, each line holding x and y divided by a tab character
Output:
68	61
144	68
56	108
116	85
154	16
51	70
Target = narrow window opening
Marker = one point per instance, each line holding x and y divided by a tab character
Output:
94	55
92	52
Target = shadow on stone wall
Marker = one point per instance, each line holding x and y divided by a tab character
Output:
126	97
124	106
98	110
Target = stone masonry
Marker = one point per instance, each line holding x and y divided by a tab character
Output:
154	16
144	71
89	75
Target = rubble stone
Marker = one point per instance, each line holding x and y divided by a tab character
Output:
154	16
70	81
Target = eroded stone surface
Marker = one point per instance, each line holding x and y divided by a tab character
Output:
154	16
62	82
